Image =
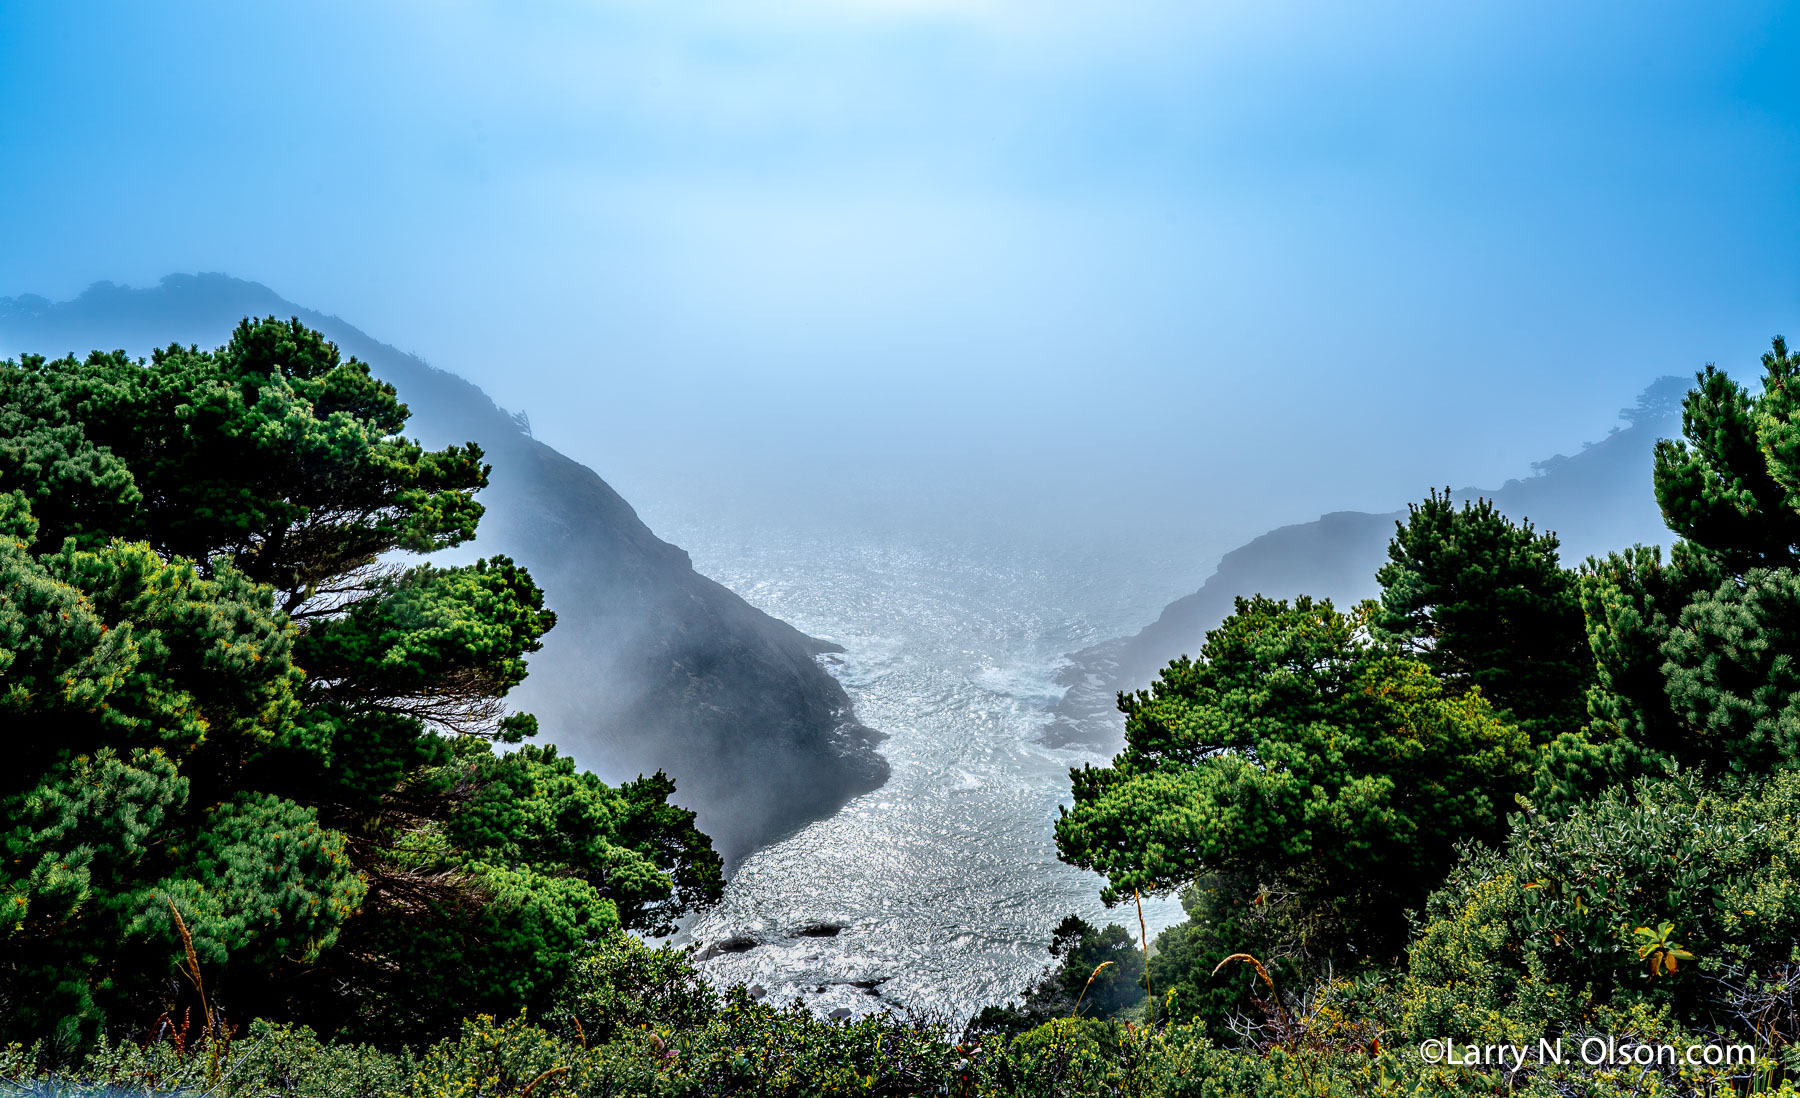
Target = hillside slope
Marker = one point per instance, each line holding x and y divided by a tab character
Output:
651	665
1598	499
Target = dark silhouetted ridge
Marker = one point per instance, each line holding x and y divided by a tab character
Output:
651	665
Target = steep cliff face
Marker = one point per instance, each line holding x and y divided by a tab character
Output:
1598	499
651	665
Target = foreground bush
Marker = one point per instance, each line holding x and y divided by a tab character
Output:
1665	899
666	1035
266	1060
1094	972
1067	1058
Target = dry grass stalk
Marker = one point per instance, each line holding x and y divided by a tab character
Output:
1084	987
1287	1024
192	971
1144	937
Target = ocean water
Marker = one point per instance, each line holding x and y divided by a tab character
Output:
938	892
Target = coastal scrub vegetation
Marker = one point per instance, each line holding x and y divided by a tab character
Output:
257	839
1505	802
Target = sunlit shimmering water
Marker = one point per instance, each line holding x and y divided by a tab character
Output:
944	884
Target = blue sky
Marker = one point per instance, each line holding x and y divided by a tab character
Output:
1155	270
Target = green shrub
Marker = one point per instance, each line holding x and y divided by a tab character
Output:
1228	914
266	1061
1096	972
1665	895
621	984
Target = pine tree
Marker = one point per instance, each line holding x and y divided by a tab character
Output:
1297	753
1731	485
238	723
1697	655
1486	604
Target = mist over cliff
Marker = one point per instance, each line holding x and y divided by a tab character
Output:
651	665
1598	499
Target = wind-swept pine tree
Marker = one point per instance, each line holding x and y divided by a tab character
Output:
236	718
1299	757
1485	603
1697	653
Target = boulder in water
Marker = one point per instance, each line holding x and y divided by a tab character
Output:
727	945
